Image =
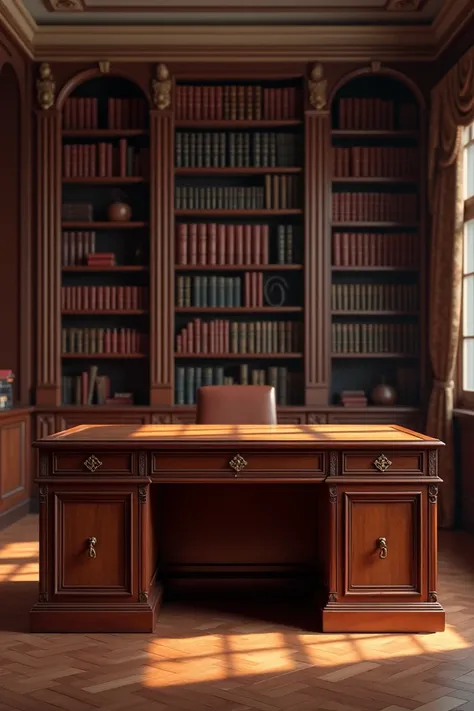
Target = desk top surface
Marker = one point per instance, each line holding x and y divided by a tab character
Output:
287	435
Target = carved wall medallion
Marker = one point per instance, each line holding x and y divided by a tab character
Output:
142	494
433	493
332	495
142	464
45	87
161	88
92	463
382	463
318	88
238	463
43	494
432	461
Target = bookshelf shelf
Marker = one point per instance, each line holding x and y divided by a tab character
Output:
256	124
239	309
382	225
235	171
113	356
374	355
374	133
94	270
373	181
238	267
122	312
374	313
102	133
237	213
375	269
102	225
238	356
112	180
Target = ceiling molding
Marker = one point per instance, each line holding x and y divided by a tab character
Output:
239	43
404	5
234	43
64	5
16	18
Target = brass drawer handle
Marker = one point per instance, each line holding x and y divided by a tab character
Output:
382	546
92	541
238	463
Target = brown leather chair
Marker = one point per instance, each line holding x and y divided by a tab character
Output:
236	405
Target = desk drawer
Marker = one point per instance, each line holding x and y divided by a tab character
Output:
401	462
243	464
94	463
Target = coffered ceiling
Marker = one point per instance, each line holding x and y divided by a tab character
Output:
237	30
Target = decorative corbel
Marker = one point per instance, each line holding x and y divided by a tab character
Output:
104	66
318	87
161	88
45	87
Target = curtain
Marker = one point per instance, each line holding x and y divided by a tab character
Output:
452	108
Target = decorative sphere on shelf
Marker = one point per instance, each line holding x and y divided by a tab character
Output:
119	212
383	395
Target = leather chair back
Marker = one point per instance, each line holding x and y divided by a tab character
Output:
236	405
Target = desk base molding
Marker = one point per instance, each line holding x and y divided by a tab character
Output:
420	618
98	617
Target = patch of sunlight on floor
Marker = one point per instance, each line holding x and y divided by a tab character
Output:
222	657
19	562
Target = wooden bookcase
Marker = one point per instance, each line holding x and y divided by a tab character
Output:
231	266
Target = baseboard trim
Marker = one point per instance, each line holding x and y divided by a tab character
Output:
15	514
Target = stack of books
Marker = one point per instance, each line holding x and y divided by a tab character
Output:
353	398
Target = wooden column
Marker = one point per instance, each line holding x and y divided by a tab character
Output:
317	241
48	257
162	242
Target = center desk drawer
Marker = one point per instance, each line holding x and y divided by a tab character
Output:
94	462
383	462
238	463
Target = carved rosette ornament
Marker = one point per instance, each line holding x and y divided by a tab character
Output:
318	88
45	87
332	597
161	88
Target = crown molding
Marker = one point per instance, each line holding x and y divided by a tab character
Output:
20	24
237	43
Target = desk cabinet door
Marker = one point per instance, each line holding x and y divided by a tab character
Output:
94	541
383	541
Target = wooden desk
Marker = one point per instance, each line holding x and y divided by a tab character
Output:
350	509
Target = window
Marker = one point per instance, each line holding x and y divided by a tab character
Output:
467	334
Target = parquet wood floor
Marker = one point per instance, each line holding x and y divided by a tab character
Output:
218	660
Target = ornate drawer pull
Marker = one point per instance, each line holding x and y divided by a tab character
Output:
382	463
238	463
92	463
382	546
92	541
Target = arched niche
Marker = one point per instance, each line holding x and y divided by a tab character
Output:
10	216
95	85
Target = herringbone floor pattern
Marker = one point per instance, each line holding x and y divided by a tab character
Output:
208	660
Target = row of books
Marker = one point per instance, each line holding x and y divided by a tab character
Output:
103	340
376	162
209	244
188	380
362	249
374	297
221	336
278	193
104	160
235	150
219	291
86	112
77	211
374	113
103	298
380	338
235	103
76	246
374	207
